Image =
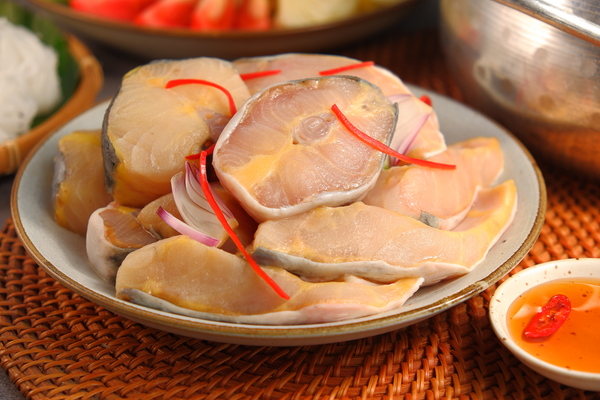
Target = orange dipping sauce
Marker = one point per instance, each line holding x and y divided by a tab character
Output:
576	344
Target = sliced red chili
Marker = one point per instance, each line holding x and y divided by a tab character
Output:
550	318
219	214
193	157
346	68
178	82
259	74
425	99
376	144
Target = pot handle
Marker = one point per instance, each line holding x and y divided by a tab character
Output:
557	17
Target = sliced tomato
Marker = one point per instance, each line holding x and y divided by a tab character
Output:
254	15
167	14
122	10
213	15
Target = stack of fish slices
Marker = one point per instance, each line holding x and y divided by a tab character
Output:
340	231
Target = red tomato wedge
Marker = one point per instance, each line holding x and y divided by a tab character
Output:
167	14
253	15
213	15
122	10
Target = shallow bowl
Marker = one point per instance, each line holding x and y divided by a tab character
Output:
524	280
155	43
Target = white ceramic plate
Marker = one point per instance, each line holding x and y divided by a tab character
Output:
62	253
151	43
513	287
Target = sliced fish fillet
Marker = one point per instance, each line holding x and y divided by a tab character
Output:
381	245
285	152
294	66
114	232
427	143
148	129
184	276
440	198
150	220
78	182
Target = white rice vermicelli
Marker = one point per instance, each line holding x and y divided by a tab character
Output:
18	107
28	78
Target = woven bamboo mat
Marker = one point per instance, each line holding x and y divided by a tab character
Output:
55	344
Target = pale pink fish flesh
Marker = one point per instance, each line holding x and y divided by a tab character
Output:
427	143
285	152
382	245
186	277
440	198
113	232
78	183
148	128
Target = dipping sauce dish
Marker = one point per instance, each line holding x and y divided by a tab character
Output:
569	355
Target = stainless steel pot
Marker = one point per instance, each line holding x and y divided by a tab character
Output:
541	81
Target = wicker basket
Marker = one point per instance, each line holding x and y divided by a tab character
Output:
91	81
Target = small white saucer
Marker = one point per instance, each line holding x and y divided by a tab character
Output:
524	280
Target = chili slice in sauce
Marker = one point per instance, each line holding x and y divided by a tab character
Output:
550	318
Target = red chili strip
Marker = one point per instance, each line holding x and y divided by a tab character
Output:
232	234
196	156
550	318
259	74
178	82
376	144
347	68
425	99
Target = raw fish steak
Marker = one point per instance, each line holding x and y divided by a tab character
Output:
78	184
148	128
113	232
429	140
187	277
440	198
285	152
371	242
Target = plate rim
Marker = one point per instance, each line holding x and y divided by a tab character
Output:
293	334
